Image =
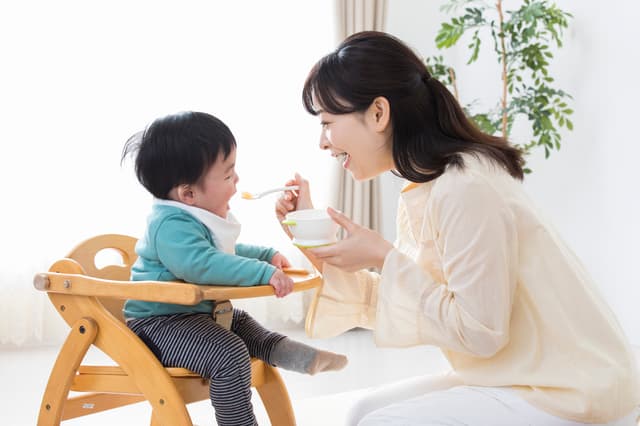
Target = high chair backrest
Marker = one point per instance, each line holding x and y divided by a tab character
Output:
88	252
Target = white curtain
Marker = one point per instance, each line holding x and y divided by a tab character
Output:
80	77
358	200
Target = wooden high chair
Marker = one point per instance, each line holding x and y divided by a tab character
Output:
90	300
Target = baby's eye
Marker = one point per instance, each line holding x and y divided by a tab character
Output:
324	124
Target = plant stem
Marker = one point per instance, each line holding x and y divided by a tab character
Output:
504	70
452	75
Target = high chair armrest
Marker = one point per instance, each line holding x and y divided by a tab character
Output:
302	280
150	291
163	291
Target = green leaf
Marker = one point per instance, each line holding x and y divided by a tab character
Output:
529	31
475	46
449	35
569	124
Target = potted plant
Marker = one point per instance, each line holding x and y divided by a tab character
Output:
522	40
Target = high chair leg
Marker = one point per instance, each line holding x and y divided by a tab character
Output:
81	336
275	397
154	419
157	420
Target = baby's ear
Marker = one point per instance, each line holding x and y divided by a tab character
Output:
185	194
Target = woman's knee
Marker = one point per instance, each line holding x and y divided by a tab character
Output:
360	409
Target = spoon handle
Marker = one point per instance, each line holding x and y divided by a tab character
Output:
284	188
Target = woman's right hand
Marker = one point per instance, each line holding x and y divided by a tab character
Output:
293	200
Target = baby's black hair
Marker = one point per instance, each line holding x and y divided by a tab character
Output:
178	149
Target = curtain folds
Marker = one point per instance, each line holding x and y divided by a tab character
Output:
359	15
361	201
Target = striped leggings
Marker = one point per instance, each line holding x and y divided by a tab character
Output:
198	343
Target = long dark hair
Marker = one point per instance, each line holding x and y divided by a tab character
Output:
430	129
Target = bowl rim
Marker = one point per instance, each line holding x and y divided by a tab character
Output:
296	215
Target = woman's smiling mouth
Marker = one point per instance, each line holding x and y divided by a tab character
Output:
344	158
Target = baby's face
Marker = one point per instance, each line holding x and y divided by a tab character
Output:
217	186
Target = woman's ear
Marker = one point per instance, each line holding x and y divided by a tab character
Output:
184	194
379	113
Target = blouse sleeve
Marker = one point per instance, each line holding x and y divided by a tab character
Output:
344	301
476	236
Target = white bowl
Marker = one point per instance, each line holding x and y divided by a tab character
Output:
311	228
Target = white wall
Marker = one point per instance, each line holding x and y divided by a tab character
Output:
589	188
78	78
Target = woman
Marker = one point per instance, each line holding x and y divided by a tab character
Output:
476	270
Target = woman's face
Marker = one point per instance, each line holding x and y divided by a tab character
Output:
356	140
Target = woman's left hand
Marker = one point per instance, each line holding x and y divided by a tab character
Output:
361	248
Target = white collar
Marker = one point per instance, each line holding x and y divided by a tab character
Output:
225	232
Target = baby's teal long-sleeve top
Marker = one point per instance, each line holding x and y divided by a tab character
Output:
177	246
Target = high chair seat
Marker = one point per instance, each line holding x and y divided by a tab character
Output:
90	298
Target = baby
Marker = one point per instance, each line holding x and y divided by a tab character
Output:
187	162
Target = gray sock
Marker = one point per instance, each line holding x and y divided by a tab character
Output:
296	356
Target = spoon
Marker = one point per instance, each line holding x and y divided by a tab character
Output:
250	196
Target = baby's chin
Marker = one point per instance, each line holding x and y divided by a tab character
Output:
221	212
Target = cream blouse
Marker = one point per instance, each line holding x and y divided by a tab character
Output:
479	272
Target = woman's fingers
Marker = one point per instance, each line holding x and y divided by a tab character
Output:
284	206
302	182
361	248
331	253
303	200
341	220
291	195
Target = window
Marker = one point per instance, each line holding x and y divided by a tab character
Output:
80	77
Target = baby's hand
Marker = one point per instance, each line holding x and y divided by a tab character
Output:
279	261
281	283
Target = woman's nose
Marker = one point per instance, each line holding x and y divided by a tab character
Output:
324	142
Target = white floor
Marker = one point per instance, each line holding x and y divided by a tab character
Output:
319	400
